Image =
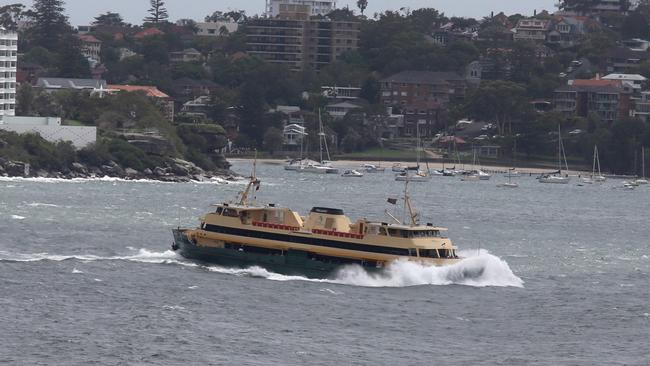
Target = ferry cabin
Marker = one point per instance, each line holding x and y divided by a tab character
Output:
324	233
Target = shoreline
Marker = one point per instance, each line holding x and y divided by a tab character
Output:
351	164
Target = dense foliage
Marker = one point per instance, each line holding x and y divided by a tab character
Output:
243	88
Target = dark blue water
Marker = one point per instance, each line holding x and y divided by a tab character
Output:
87	278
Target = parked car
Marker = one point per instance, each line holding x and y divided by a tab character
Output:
576	63
577	131
481	137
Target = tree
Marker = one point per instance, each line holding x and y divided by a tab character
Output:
109	19
273	140
71	63
50	24
10	14
158	12
216	16
362	5
499	100
426	19
236	15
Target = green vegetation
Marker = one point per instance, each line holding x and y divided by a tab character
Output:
243	88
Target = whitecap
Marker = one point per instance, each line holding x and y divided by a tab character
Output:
76	271
142	256
173	307
39	204
97	280
193	287
17	217
329	290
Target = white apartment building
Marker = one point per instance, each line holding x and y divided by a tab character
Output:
216	29
318	7
8	60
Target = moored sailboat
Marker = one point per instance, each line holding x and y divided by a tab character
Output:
596	164
557	177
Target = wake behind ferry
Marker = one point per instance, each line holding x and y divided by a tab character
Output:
281	240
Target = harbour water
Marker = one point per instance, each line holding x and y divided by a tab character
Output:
87	277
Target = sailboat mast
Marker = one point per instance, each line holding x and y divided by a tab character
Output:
593	165
320	136
643	161
417	146
559	149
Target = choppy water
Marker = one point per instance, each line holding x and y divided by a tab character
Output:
87	277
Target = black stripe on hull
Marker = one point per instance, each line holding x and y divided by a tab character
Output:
305	240
292	262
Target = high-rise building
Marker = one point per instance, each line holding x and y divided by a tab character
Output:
299	41
317	7
8	60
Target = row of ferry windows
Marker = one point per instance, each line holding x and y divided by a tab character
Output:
409	233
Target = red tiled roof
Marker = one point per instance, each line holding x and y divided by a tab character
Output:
148	33
151	91
88	38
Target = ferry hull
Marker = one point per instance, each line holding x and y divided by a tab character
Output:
292	262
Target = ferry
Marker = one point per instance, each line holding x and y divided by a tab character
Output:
244	234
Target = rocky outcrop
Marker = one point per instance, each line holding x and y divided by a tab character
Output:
174	170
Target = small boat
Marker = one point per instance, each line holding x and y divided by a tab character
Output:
557	177
419	176
508	185
630	185
397	168
371	168
470	178
314	168
554	178
352	173
446	172
513	173
244	234
483	175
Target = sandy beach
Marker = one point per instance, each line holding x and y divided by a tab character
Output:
353	164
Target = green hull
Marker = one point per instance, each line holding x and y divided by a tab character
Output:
292	262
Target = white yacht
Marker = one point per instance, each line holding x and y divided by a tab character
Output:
558	178
352	173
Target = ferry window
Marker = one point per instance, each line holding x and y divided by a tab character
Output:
413	252
443	253
382	231
229	212
219	210
429	253
329	223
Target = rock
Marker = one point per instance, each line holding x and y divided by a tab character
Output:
79	168
151	142
159	171
15	168
147	172
42	174
131	172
